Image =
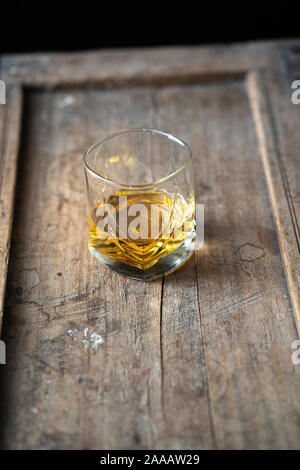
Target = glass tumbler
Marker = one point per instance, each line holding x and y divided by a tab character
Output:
141	206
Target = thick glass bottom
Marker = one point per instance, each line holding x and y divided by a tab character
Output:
165	265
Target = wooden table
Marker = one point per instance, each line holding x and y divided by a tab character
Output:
202	358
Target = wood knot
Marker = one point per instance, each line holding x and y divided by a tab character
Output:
251	252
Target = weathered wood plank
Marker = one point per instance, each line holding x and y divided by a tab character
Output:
281	198
10	122
111	68
286	115
110	394
244	305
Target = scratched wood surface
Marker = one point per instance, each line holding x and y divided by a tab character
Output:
202	358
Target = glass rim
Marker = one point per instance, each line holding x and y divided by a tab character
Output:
138	129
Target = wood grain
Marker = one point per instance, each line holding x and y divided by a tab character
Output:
110	69
202	358
281	199
10	122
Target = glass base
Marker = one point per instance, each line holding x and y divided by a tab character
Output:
165	265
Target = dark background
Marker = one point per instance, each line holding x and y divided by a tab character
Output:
63	26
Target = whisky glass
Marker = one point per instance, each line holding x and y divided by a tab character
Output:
141	206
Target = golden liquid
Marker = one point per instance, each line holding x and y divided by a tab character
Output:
169	217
